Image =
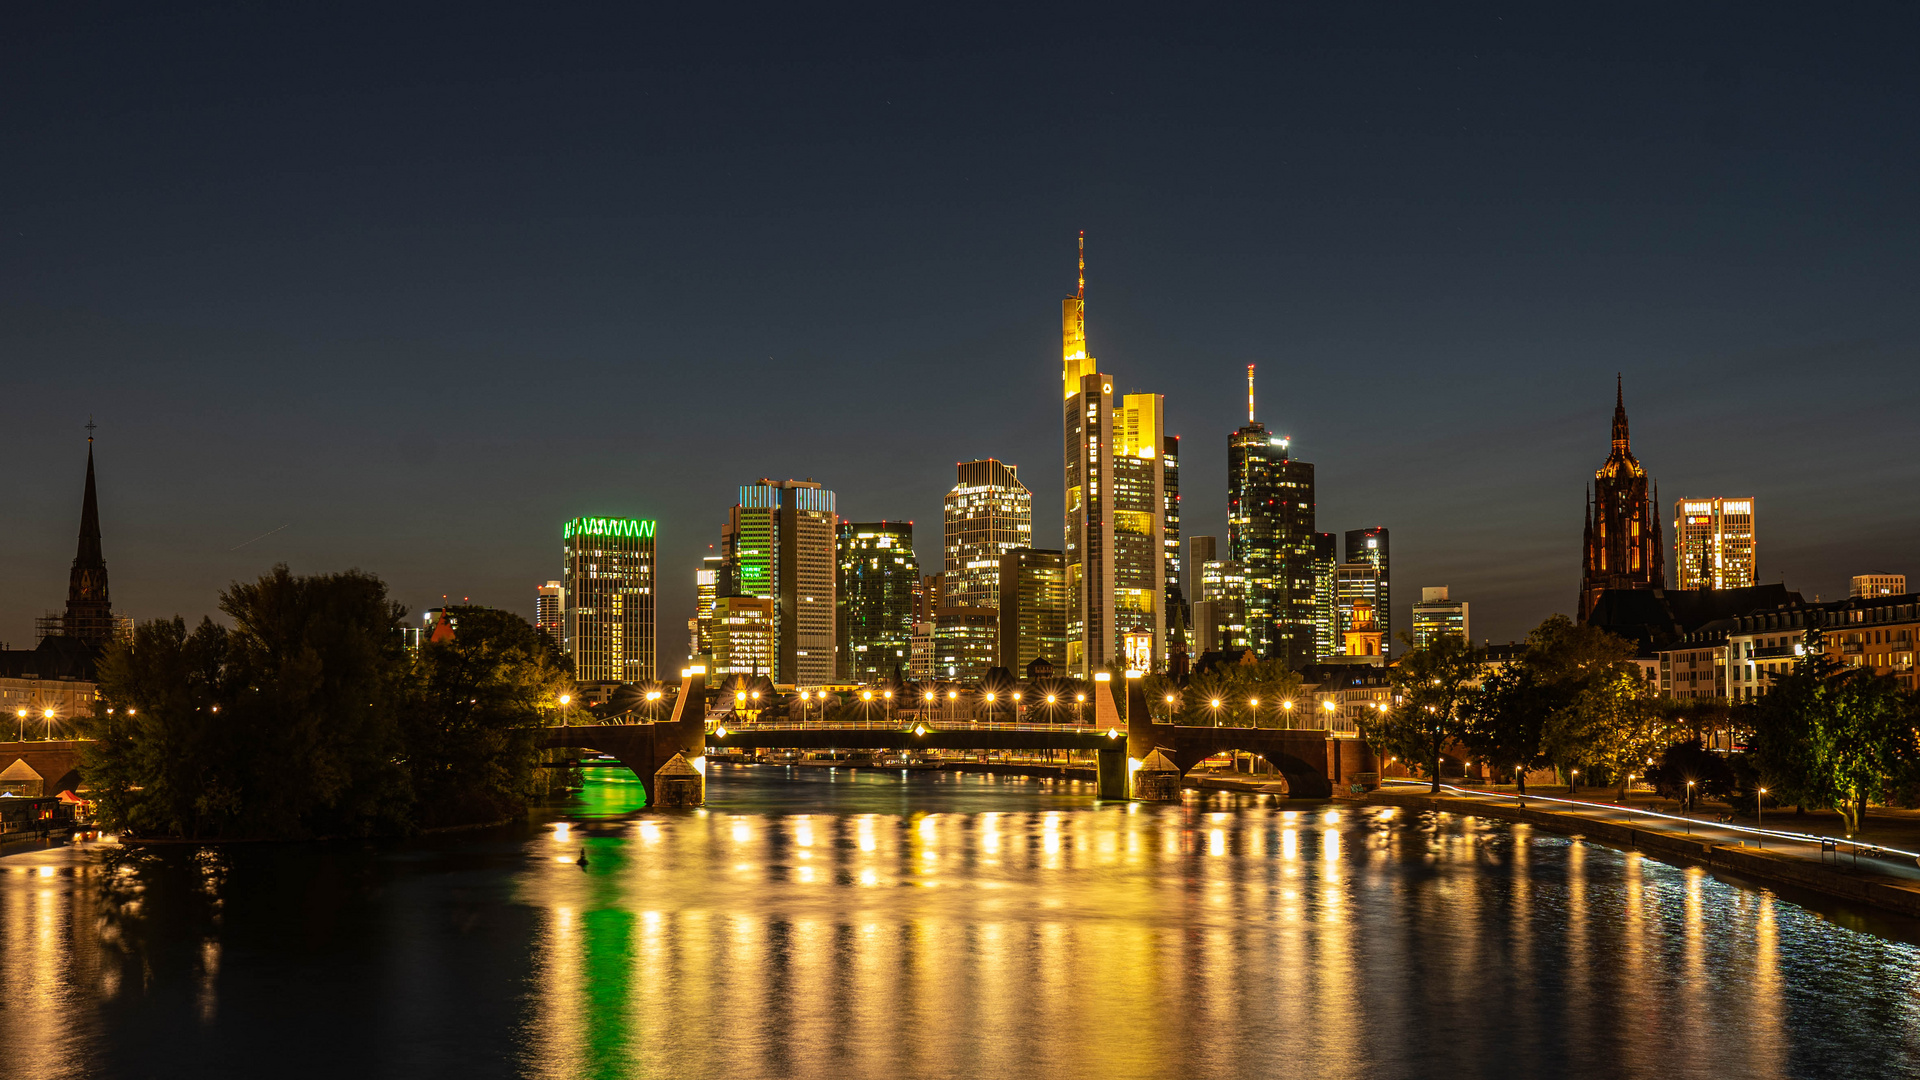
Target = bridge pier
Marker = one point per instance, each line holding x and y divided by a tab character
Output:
1112	771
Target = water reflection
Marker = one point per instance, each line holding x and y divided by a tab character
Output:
835	924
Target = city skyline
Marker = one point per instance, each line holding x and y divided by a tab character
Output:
380	396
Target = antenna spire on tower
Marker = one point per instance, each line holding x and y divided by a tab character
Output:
1082	294
1249	394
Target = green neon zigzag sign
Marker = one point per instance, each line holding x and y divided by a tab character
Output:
638	528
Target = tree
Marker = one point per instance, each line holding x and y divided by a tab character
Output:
1710	773
287	725
1431	686
471	727
1833	736
1613	722
1505	721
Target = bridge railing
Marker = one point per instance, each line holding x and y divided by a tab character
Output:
894	725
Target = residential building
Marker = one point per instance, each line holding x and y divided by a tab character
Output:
1436	616
1877	585
1714	543
1621	549
608	583
550	611
1326	598
1116	500
1270	528
1874	632
1033	608
778	544
879	578
1370	546
988	513
1696	666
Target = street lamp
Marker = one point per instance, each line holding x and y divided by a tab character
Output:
989	696
1759	810
1689	810
653	696
1082	710
48	714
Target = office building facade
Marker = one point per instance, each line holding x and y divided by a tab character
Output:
1220	613
1326	605
1357	594
1270	528
1115	545
989	512
1033	609
879	579
740	637
1370	546
1437	616
1714	544
608	585
778	544
550	611
1877	585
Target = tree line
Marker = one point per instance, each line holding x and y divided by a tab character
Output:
307	716
1825	736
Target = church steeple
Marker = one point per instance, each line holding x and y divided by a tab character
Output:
1620	440
89	609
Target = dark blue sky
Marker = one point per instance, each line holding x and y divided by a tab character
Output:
418	283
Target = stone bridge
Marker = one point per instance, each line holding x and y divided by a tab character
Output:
40	767
1136	757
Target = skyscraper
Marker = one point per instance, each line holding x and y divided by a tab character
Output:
1220	613
778	544
1622	548
1170	471
1714	546
608	584
1033	608
878	579
1436	616
1270	517
1200	551
1116	500
1370	546
1326	603
706	590
550	612
988	513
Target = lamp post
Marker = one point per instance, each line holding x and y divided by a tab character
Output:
1081	699
1215	706
1760	814
47	714
22	715
564	699
1287	705
866	707
1573	781
1689	811
953	703
989	699
653	699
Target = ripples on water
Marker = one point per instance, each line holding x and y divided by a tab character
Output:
835	924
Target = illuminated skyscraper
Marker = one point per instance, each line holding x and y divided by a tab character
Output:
1220	607
1357	592
1170	470
608	584
1370	546
878	579
1326	604
741	637
989	512
1270	516
550	612
778	544
1116	499
1714	546
1622	548
706	589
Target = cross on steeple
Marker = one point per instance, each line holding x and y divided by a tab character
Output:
90	426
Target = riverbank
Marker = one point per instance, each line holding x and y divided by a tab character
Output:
1859	876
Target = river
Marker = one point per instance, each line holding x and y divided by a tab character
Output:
816	923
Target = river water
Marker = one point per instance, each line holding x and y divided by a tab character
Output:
816	923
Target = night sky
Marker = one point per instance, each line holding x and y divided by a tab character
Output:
412	285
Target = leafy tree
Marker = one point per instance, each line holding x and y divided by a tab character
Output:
287	725
1613	722
471	727
1431	686
1505	722
1834	736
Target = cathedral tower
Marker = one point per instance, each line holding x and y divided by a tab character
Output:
1622	549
